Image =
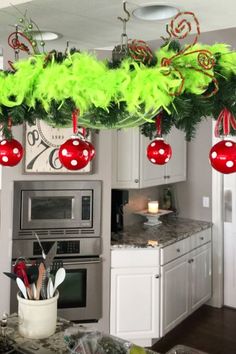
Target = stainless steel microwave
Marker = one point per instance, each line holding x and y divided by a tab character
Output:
56	209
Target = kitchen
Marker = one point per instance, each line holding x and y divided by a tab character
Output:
189	194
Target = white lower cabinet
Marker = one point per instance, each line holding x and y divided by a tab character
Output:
185	280
174	293
200	276
134	312
153	290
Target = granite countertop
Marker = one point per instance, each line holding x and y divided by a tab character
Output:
69	338
171	230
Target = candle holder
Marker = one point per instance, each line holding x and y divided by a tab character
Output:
153	218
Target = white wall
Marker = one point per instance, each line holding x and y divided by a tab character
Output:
199	176
102	172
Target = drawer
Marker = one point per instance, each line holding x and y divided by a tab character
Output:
200	238
177	249
134	258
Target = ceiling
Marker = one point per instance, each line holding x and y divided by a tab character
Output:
89	24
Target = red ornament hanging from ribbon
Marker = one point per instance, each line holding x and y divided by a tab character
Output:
158	151
11	150
223	154
76	152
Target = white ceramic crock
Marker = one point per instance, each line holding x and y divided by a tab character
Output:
37	318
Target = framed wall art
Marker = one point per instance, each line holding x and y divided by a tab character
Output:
42	143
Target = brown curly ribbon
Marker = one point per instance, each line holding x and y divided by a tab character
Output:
15	43
180	28
140	51
226	119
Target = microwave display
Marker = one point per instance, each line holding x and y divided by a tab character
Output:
46	208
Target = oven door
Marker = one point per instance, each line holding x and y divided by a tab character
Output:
80	295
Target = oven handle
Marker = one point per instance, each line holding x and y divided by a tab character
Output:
79	263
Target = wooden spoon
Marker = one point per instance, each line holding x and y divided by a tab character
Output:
40	280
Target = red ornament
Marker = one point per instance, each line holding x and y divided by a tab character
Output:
74	154
11	152
159	152
91	149
223	156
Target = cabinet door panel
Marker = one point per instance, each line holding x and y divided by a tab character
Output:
125	157
134	303
200	276
174	294
176	167
150	174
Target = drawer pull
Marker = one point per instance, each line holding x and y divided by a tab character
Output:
202	238
189	261
157	276
177	249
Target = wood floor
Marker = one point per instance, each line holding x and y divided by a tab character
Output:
208	329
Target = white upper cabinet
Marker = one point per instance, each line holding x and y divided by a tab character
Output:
131	167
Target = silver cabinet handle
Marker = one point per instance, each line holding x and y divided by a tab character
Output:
177	249
157	276
136	180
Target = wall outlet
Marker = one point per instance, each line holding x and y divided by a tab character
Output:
206	202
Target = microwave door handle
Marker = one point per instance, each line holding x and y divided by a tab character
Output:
80	263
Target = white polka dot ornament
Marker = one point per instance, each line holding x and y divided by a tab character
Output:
159	152
223	156
11	152
75	154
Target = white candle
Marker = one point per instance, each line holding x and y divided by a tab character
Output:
153	207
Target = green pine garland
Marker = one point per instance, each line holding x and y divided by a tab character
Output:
127	94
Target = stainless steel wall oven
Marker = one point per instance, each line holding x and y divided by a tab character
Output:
73	210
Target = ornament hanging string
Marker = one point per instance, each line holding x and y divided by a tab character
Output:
158	123
75	115
226	120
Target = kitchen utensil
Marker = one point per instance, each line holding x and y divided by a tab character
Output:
50	288
40	280
22	287
56	264
10	275
40	245
32	273
59	278
50	256
34	290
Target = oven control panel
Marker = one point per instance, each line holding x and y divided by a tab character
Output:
63	247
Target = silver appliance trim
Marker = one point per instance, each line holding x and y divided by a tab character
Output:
87	247
24	227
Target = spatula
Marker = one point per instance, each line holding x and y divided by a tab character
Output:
22	287
40	280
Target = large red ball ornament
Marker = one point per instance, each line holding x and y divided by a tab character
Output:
74	154
159	152
223	156
11	152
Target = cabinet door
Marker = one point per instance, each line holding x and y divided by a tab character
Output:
174	293
150	174
176	167
125	158
200	276
134	309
